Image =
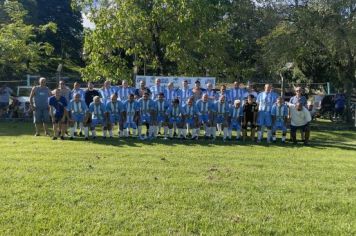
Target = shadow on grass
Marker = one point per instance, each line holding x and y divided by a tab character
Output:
320	139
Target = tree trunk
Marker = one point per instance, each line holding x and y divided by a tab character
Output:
348	86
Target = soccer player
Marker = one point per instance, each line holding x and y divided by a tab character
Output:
236	113
98	116
265	101
131	114
114	108
279	119
236	93
175	113
124	91
147	110
221	116
58	104
184	93
162	120
39	105
250	111
170	93
226	94
204	108
76	89
210	92
250	90
190	118
77	109
157	89
106	91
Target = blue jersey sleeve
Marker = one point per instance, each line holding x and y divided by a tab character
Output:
84	106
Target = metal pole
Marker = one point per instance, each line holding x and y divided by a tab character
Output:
328	87
282	85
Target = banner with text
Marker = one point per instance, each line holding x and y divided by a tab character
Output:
177	81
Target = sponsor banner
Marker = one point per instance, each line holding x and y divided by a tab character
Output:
177	81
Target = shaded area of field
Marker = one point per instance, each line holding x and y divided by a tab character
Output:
131	186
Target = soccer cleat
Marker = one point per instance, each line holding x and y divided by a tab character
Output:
37	134
75	134
62	137
80	134
71	138
54	138
283	142
94	137
86	138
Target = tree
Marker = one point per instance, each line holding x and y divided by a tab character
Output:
19	52
159	37
319	37
68	39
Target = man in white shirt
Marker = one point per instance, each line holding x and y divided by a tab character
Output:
300	119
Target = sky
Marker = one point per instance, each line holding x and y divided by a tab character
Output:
87	23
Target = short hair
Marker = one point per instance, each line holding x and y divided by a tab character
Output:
176	100
251	96
238	101
161	94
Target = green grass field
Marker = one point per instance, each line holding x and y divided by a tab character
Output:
126	187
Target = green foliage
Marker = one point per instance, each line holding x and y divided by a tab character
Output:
67	40
319	37
19	51
159	37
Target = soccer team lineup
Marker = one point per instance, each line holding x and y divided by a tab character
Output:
237	113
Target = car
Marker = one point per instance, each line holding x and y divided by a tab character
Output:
23	95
